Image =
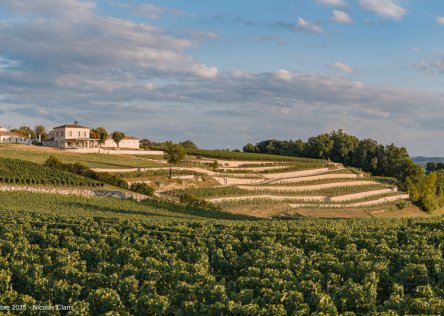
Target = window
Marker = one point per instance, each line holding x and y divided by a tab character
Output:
63	133
70	133
79	133
84	133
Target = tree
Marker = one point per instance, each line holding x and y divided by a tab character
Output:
25	131
344	146
173	154
188	144
319	146
118	136
249	148
146	143
40	130
101	134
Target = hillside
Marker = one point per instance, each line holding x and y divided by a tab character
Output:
95	255
248	184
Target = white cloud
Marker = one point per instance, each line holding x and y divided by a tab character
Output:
341	17
342	67
204	71
431	67
332	2
440	20
302	24
384	8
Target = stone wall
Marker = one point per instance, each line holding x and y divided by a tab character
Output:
75	191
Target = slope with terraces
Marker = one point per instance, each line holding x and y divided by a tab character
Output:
322	186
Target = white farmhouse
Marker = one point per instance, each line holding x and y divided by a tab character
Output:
74	136
12	138
128	142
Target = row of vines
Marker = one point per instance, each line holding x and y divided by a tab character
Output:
163	265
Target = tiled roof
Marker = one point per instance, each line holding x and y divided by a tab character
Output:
11	134
126	137
71	126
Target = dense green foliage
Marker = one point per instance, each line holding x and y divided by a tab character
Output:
366	154
434	166
173	154
101	258
143	188
26	172
338	146
117	136
427	191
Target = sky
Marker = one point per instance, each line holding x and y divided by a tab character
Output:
227	73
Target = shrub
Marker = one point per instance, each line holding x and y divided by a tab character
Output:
142	188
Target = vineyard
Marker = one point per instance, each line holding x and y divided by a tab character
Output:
125	258
229	155
17	171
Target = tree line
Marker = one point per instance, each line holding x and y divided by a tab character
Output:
367	155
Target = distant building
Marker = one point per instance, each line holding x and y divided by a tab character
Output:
128	142
13	138
49	140
73	136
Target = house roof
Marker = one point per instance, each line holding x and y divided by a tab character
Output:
126	137
2	133
71	126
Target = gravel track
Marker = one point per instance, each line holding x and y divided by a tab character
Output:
312	178
309	187
359	204
318	198
294	174
357	196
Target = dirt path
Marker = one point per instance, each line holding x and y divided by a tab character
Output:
357	196
312	178
256	168
235	181
319	198
309	187
294	174
366	203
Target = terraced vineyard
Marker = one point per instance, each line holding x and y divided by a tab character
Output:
255	180
296	184
15	171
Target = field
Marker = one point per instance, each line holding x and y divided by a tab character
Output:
40	154
98	256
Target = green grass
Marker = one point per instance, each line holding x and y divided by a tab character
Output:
38	155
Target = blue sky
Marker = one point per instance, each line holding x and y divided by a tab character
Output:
224	73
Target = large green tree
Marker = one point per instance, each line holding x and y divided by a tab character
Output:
174	154
101	134
188	144
344	146
40	130
118	136
319	146
25	131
